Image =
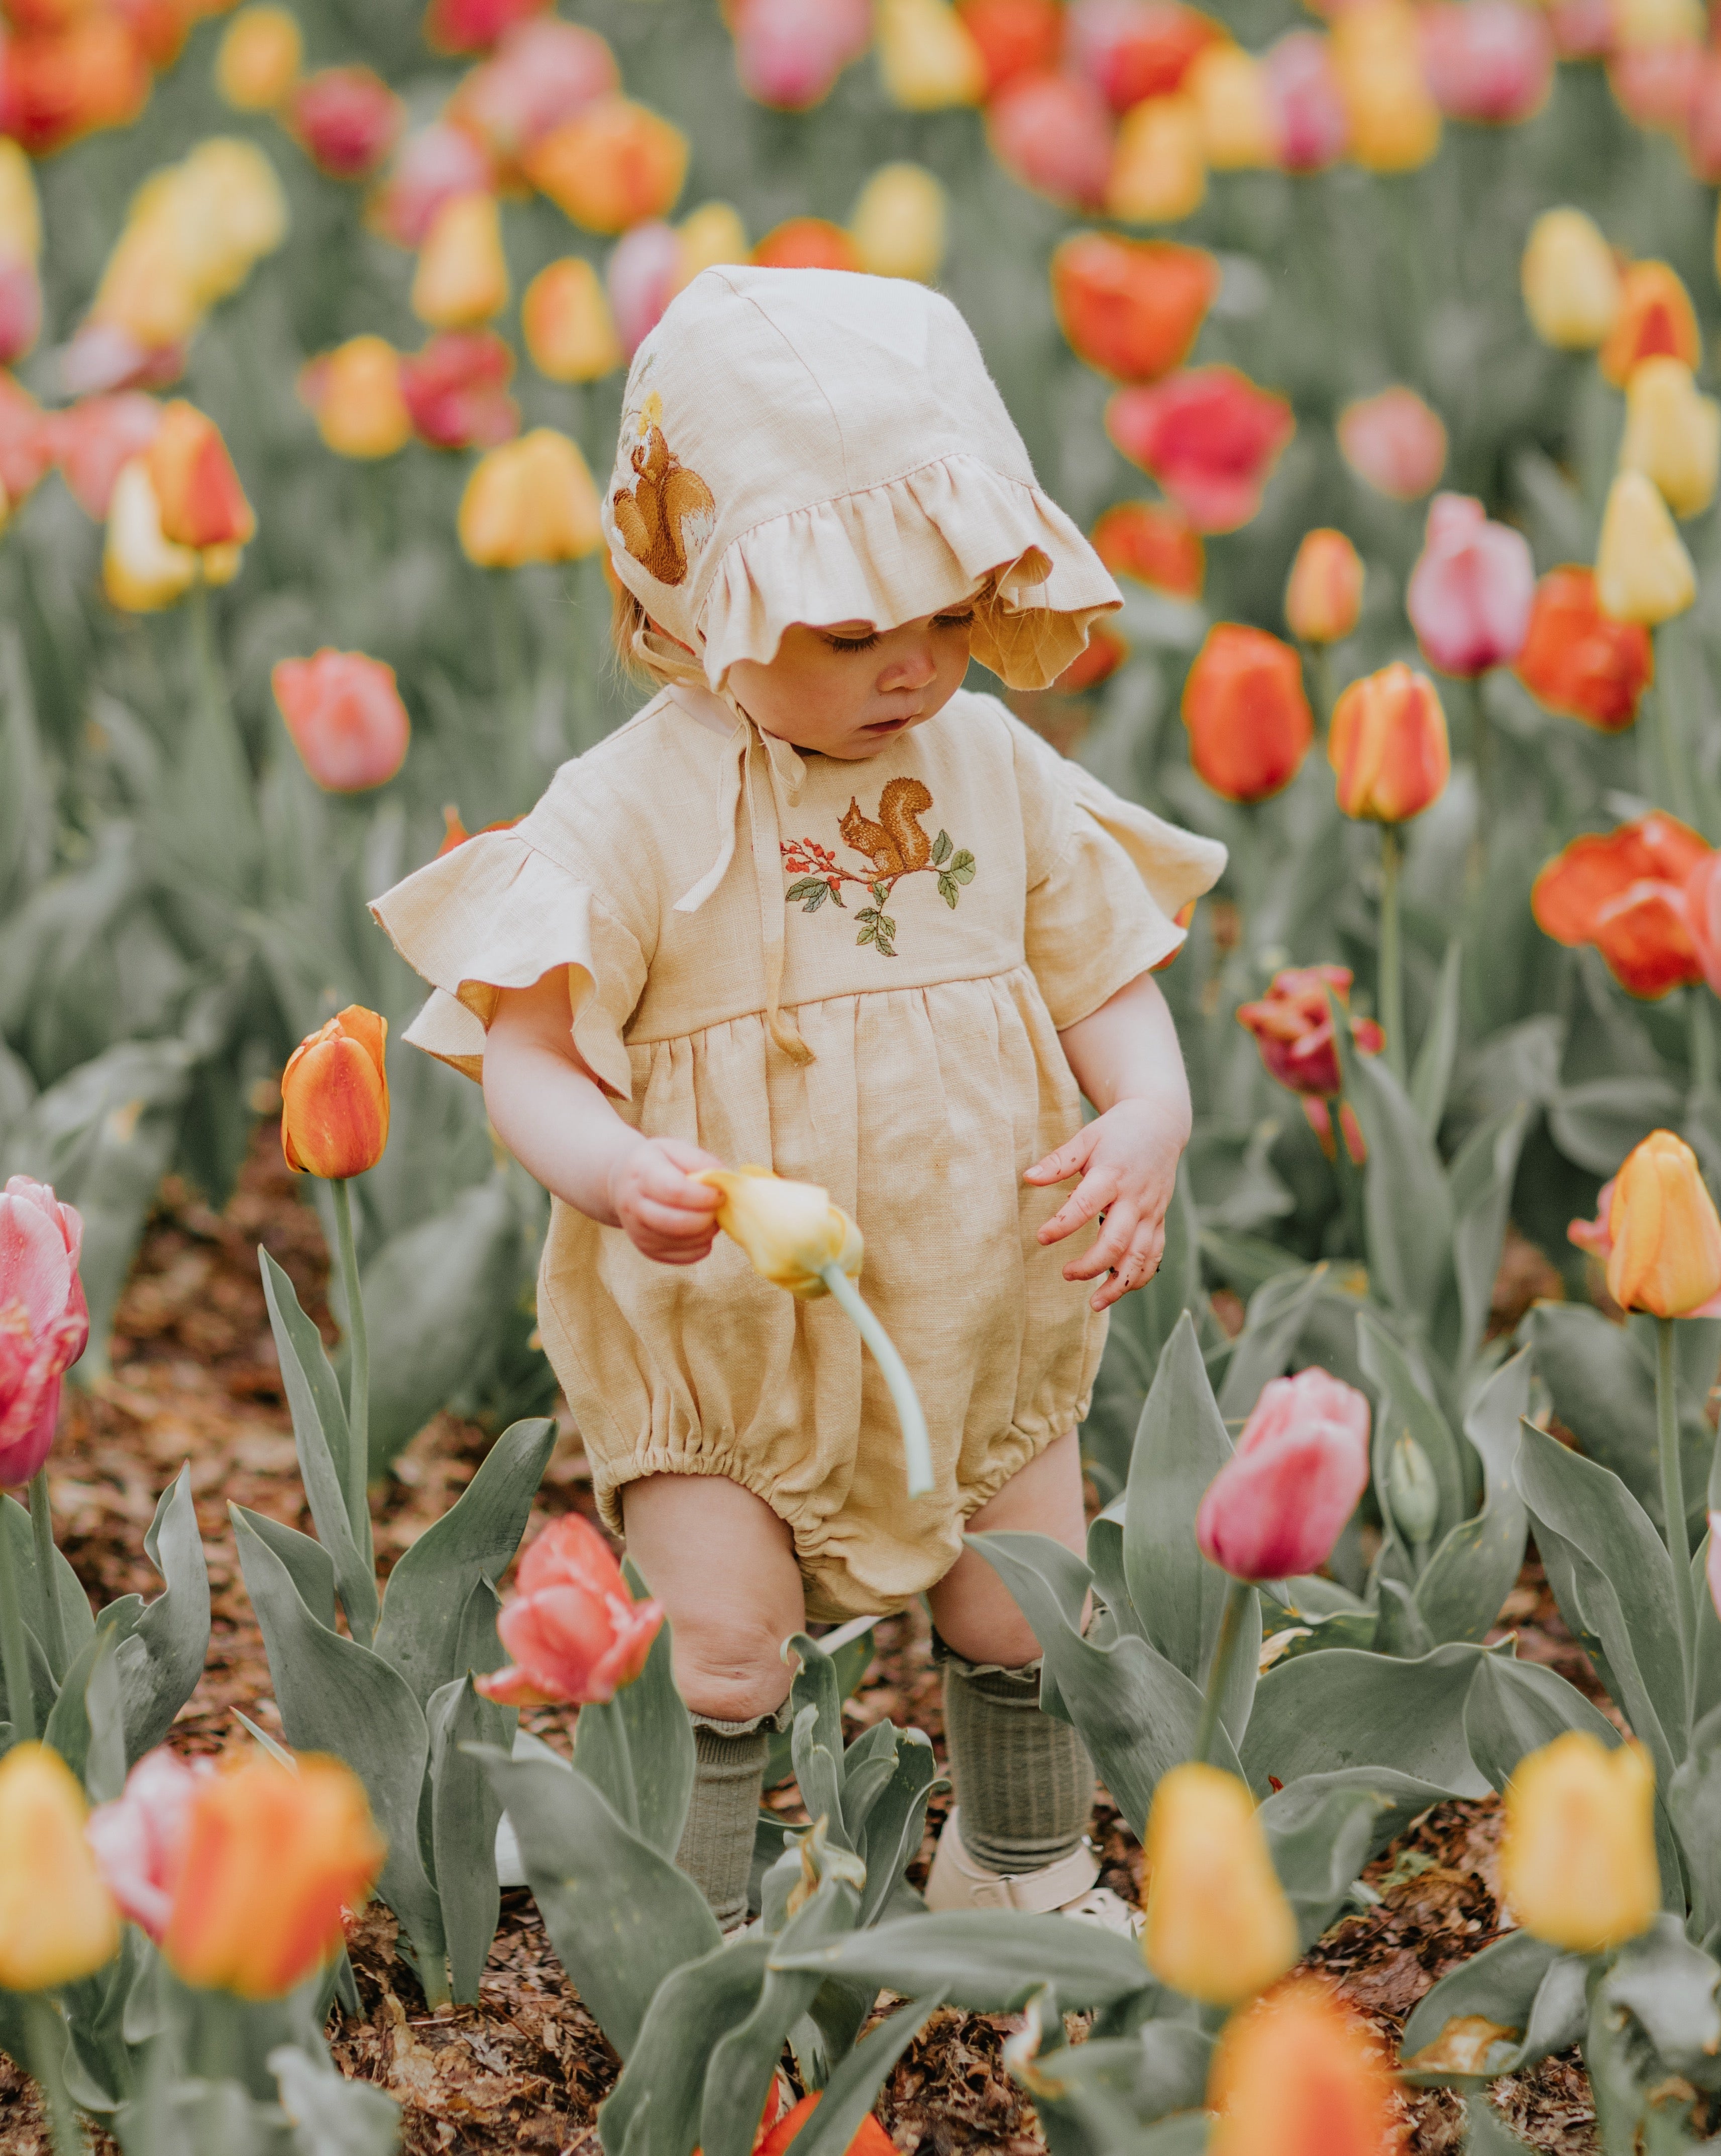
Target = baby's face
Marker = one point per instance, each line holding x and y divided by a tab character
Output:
845	690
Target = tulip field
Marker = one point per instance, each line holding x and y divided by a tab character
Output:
343	1771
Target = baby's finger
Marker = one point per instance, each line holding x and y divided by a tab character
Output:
1092	1195
663	1181
679	1224
1068	1160
1121	1228
1138	1266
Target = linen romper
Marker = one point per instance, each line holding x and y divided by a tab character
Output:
852	973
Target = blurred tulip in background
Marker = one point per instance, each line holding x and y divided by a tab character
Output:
1234	113
1133	308
1218	1926
1702	917
473	26
20	245
1248	717
455	390
44	1322
1154	542
1672	434
530	500
335	1098
1623	892
197	492
572	1627
354	394
139	1837
1209	436
1293	1027
1656	321
58	1921
1280	1503
1642	572
789	53
807	243
1577	1856
462	276
432	169
1387	744
1053	133
1324	597
565	319
927	57
899	222
93	439
345	715
543	73
1104	653
1487	59
641	277
1396	442
1299	2070
1578	660
1015	37
142	569
1471	592
346	119
1571	280
612	165
1132	50
1158	175
1666	1254
1311	128
257	62
1394	122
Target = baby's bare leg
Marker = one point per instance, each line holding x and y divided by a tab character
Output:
975	1612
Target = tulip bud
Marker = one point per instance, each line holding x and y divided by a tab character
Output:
1665	1257
257	62
1471	591
575	1630
1571	282
1280	1503
1300	2071
335	1098
462	276
898	223
197	492
1387	744
1323	597
1412	1490
345	718
1578	660
1395	123
530	500
1249	721
1656	321
347	118
567	323
1642	571
354	394
1394	442
1672	434
44	1321
790	1231
272	1857
1133	308
927	57
1577	1854
1209	436
610	167
1158	175
1219	1928
1154	543
1228	88
58	1921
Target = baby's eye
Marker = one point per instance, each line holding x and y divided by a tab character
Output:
853	642
964	620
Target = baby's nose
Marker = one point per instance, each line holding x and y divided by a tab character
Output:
910	670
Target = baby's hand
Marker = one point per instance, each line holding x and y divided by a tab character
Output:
1127	1161
666	1213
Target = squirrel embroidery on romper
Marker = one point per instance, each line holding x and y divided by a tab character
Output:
653	515
897	846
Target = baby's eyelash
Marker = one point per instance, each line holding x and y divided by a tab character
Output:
962	620
853	642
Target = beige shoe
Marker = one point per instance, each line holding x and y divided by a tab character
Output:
1066	1887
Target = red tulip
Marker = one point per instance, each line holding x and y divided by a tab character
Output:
807	243
1132	308
1388	748
44	1322
434	167
1292	1025
575	1630
642	273
1581	662
345	718
93	438
1394	442
1015	37
1487	59
1703	915
20	307
1280	1503
1597	1237
789	53
1053	132
1305	104
1209	436
1249	719
1624	891
544	72
139	1837
455	390
27	440
1470	592
347	118
1132	49
1154	542
474	26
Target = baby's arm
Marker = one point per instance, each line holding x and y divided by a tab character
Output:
552	1116
1126	1060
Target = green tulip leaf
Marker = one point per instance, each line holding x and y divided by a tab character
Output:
987	1961
464	1812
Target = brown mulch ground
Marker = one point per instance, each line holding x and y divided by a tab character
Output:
195	1377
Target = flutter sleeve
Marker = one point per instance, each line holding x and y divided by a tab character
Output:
1107	881
495	913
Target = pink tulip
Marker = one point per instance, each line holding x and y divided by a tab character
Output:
434	167
1277	1506
1702	126
26	440
1209	437
1597	1237
94	438
1053	133
544	71
102	357
345	718
641	275
20	307
1657	86
789	53
1470	594
1487	59
139	1837
1583	29
44	1322
455	390
575	1632
1303	97
1396	442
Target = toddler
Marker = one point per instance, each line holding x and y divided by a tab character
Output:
818	907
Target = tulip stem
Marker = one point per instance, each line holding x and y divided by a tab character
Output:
1677	790
42	1534
1667	1420
1224	1652
1391	984
358	1371
15	1649
916	1448
1699	1020
43	2041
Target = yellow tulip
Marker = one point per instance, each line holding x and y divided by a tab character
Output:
20	211
927	56
1639	23
789	1230
257	63
141	570
1219	1928
530	500
1157	172
1227	87
57	1920
1394	122
1672	434
1642	571
710	235
1577	1856
1570	280
233	194
354	394
147	286
462	276
1666	1254
898	224
565	317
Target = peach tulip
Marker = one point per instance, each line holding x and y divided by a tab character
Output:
1471	592
1578	660
462	276
345	715
565	318
139	1837
347	118
354	394
1248	717
1209	436
1054	134
899	222
1015	37
1293	1027
1159	174
1154	542
1387	744
1655	319
1218	1927
530	500
1596	1236
1306	109
1577	1854
455	390
1624	891
613	165
1302	2074
1280	1503
27	437
1394	442
1132	50
575	1632
335	1098
197	492
789	53
58	1921
20	307
1571	281
432	169
1233	111
257	62
44	1322
1132	308
1666	1254
1643	572
1324	597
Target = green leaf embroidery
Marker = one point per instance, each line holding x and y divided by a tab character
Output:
948	890
941	850
803	887
962	866
879	894
869	933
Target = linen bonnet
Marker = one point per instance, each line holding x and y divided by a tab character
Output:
815	445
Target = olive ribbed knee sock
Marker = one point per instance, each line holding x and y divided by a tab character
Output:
1023	1782
717	1841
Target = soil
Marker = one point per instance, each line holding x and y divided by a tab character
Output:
195	1377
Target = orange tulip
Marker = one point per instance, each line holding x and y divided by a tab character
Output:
1156	544
335	1098
1624	891
565	318
345	718
1133	308
58	85
273	1858
1249	721
196	489
1324	595
462	276
1298	2073
1158	172
612	165
869	2137
530	500
807	243
1388	746
1015	37
1578	660
1665	1257
1655	317
354	394
1104	652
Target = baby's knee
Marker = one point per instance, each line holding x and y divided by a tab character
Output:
731	1671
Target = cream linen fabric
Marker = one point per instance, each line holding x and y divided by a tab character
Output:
937	1078
811	445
